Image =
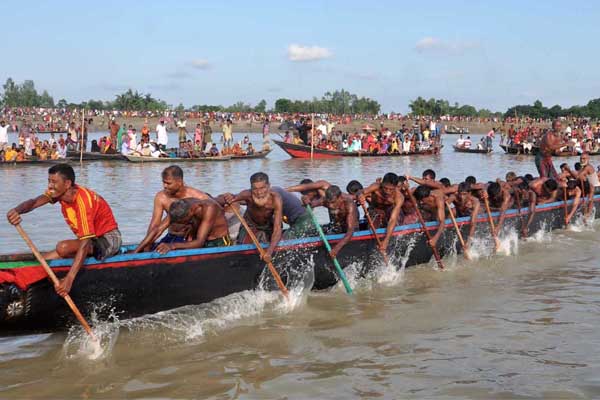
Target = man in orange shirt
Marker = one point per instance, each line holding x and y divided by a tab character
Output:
88	215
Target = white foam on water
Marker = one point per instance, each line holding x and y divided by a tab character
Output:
542	235
80	345
508	243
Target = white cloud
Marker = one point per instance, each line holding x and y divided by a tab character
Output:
297	52
436	45
201	63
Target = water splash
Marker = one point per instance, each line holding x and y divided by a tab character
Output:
80	345
508	243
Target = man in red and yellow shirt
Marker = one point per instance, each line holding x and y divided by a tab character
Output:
88	215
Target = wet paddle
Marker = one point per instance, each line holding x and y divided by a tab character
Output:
491	221
338	268
261	251
458	232
436	255
565	206
55	281
374	232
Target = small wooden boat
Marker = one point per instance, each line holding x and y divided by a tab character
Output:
258	154
304	151
145	159
454	130
477	151
137	284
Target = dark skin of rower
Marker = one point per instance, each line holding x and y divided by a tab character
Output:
213	225
543	195
263	205
434	209
383	196
315	190
173	189
60	189
582	175
344	209
551	141
575	194
525	193
501	202
467	204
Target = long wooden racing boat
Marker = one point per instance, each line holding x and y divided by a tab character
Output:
138	284
303	151
95	156
143	159
477	151
35	161
518	149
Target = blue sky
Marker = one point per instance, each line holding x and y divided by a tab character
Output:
487	54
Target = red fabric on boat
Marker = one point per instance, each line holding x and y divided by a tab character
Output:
22	277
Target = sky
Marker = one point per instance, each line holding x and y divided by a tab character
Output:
487	54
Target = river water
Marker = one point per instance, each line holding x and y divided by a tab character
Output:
521	324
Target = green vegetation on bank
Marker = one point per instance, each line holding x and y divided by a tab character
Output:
337	102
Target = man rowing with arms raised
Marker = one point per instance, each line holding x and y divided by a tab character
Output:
88	215
343	215
174	189
466	205
385	205
192	224
431	204
500	200
588	174
264	212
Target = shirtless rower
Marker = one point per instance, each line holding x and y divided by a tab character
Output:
314	190
343	215
88	215
501	200
574	192
546	190
428	179
587	173
409	209
192	224
264	212
550	143
431	203
385	205
174	189
467	205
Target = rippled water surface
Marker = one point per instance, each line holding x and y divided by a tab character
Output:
523	325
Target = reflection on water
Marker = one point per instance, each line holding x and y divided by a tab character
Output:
514	325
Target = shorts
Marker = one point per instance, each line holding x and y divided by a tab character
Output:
302	227
219	242
182	135
107	245
169	238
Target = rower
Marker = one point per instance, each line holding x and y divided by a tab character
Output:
501	200
431	203
192	224
573	193
385	205
546	190
409	211
467	205
174	188
428	179
524	197
295	215
88	215
264	212
343	216
313	190
550	143
587	174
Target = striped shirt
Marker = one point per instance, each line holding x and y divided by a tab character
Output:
89	215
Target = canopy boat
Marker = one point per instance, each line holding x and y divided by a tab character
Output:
469	150
258	154
137	284
304	151
146	159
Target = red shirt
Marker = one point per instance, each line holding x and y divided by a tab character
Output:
89	215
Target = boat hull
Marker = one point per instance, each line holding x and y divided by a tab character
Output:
137	284
475	151
304	151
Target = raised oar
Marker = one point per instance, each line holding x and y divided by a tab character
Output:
261	252
458	232
491	221
436	255
374	232
55	281
338	268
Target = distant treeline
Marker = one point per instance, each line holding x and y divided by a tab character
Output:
338	102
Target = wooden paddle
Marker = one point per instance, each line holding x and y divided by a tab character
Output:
436	255
261	251
338	268
374	232
458	232
55	281
565	205
491	221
